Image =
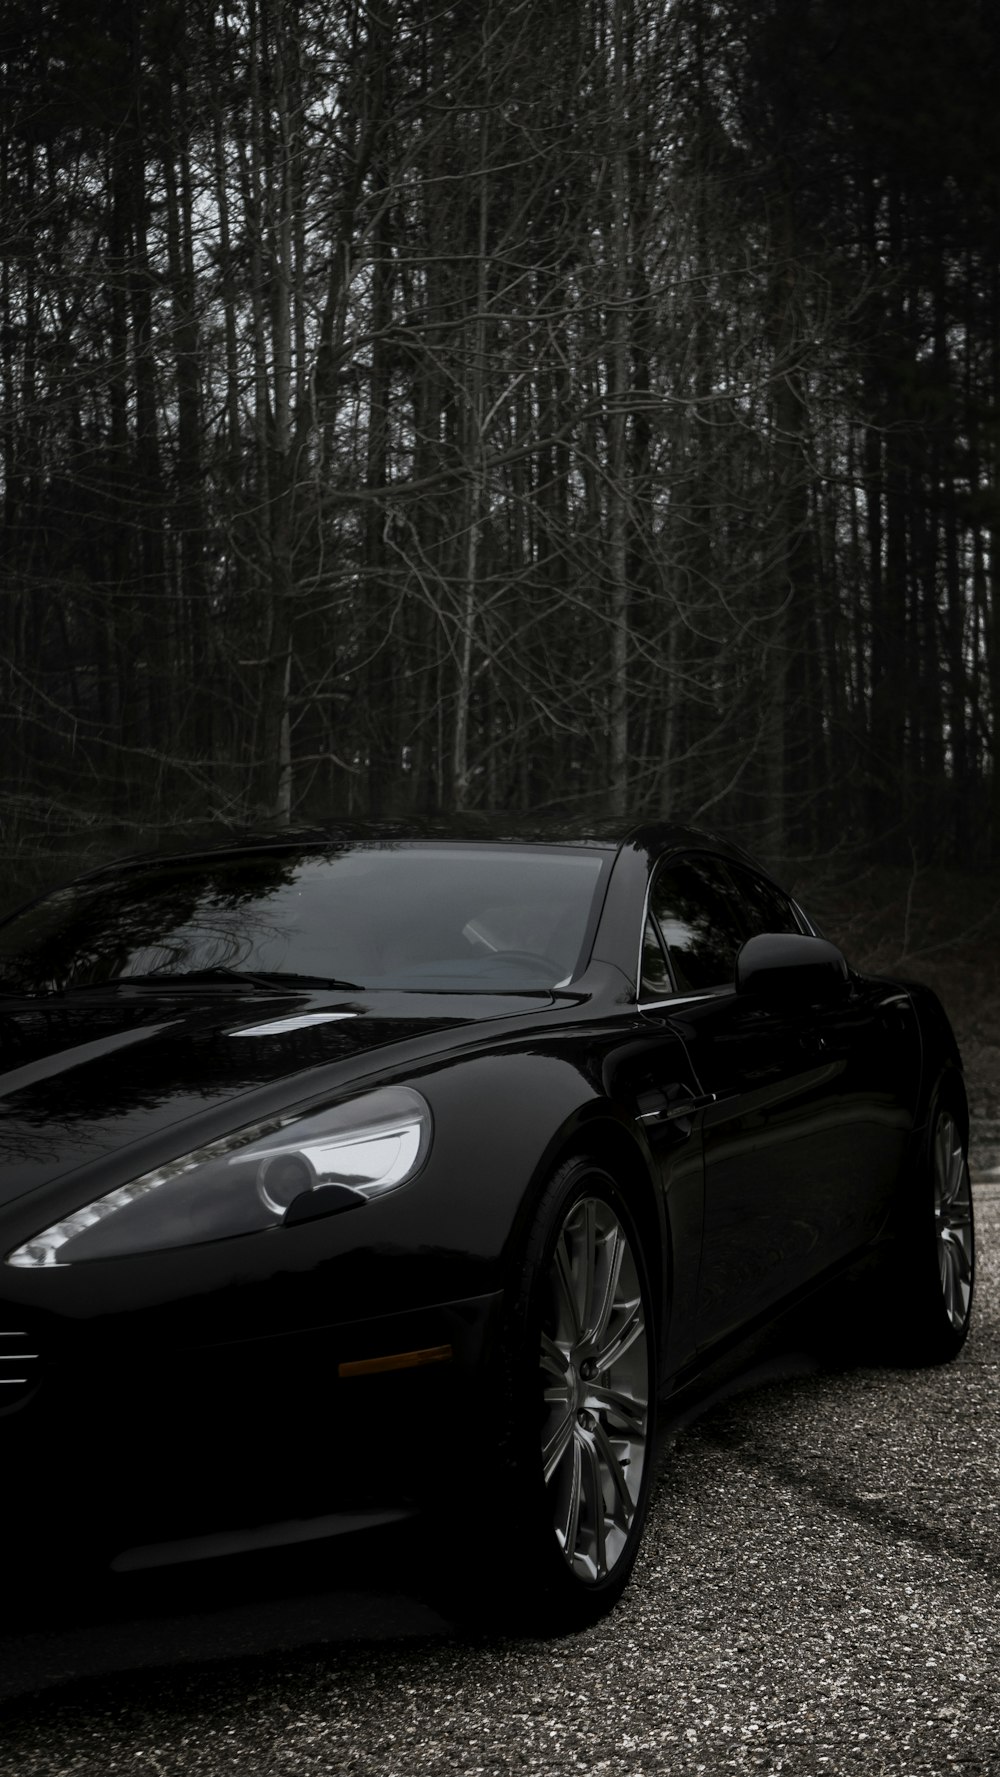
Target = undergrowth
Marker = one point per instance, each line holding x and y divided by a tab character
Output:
939	925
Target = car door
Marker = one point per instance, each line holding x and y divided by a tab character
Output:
652	1074
803	1134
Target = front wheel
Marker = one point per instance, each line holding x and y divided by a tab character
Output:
581	1398
594	1372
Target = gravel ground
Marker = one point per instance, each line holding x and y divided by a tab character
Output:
818	1593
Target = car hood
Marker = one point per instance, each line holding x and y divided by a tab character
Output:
82	1078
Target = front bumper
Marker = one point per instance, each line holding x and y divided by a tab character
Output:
143	1456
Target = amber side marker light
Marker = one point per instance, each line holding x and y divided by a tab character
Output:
399	1360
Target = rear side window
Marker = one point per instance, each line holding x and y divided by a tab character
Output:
698	915
655	974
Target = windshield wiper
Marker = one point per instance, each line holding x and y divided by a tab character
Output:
271	980
218	976
279	977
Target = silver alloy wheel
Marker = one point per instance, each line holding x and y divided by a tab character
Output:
595	1388
953	1220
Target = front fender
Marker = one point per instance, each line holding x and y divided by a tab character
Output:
522	1115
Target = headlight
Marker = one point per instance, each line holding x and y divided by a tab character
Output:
249	1180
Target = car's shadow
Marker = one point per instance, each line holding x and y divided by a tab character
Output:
373	1588
364	1588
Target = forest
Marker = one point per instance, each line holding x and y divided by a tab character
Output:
425	405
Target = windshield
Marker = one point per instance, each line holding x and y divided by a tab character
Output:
438	917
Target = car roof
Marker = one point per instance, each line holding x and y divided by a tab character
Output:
610	833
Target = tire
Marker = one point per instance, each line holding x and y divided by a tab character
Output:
934	1261
572	1467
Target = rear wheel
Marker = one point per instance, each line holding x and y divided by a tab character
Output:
933	1268
953	1225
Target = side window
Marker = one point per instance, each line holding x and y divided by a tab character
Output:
697	913
655	974
765	908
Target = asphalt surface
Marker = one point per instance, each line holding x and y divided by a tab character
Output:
818	1593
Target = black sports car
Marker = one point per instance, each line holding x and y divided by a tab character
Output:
345	1175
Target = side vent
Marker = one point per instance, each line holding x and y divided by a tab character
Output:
20	1362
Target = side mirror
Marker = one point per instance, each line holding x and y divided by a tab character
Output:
788	968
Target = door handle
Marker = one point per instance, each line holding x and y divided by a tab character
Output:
669	1110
